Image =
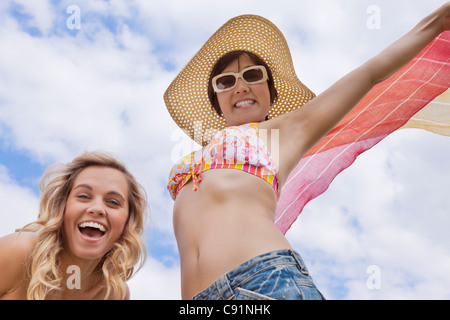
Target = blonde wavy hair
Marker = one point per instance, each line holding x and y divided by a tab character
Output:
118	264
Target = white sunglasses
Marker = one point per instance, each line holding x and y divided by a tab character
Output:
251	75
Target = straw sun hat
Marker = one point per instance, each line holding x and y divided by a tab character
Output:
187	96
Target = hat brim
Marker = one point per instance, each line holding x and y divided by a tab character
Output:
187	96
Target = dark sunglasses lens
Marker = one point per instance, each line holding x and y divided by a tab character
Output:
253	75
225	82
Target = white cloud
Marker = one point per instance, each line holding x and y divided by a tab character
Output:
19	205
101	87
378	212
156	282
40	12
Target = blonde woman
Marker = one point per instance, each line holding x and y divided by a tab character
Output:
87	239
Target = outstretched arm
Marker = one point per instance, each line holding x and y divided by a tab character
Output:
301	129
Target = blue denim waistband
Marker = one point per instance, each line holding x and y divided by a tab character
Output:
225	284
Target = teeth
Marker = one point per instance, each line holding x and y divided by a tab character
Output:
244	103
92	225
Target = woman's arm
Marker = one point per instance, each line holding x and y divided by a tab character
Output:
14	251
301	129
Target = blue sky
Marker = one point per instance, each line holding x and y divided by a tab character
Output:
22	168
64	91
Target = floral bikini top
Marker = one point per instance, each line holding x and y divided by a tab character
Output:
238	147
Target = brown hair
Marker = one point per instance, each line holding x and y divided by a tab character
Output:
223	62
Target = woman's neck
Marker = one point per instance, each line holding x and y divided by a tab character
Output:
80	277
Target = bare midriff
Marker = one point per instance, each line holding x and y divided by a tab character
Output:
226	222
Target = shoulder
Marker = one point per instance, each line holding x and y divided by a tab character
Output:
15	249
17	246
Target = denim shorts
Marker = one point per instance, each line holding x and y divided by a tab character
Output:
277	275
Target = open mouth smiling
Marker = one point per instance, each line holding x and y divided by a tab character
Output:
92	230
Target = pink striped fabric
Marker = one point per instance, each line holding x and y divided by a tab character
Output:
386	108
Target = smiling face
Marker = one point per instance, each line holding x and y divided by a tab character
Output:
245	103
96	212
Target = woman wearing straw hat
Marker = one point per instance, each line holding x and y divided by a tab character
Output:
239	97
